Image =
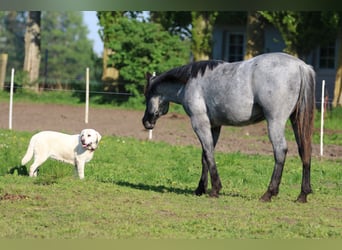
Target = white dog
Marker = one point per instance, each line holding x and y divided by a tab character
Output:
74	149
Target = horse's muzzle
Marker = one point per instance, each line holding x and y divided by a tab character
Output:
147	123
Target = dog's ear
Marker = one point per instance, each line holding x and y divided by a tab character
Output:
98	137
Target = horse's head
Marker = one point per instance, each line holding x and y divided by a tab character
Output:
156	104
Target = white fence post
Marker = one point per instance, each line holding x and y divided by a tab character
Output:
322	118
11	101
150	130
87	97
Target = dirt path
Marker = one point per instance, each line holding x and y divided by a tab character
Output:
172	128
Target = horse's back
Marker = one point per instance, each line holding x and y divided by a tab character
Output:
245	92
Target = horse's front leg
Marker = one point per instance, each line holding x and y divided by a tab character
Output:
216	185
208	137
203	182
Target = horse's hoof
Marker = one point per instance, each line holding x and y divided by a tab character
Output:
198	193
262	199
266	197
214	194
301	199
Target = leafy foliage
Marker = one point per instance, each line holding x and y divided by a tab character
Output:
12	30
176	22
65	48
140	47
302	31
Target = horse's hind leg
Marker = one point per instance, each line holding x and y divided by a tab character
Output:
306	160
277	138
203	182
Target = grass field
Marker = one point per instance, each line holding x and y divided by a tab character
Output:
143	190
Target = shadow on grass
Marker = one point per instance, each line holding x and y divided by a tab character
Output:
43	180
159	189
20	170
164	189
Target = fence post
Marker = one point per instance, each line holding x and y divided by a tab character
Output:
150	130
322	118
11	101
87	97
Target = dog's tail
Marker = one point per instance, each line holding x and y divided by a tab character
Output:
29	153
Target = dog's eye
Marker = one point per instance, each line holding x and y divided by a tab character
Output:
89	135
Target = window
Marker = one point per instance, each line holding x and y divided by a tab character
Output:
234	47
327	56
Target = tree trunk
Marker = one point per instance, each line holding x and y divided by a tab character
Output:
337	101
202	29
110	74
255	35
3	66
32	48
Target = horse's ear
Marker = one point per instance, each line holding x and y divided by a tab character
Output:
148	75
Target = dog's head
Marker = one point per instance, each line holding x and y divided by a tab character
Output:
90	139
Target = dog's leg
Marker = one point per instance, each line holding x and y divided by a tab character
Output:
34	168
80	169
40	156
76	170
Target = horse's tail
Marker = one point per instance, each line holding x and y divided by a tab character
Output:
29	153
303	115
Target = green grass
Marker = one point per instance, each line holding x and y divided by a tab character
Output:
143	190
332	127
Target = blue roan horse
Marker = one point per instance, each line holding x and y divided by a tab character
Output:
273	86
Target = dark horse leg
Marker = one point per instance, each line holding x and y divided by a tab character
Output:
203	182
305	155
277	138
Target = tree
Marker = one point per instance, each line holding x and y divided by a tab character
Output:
202	32
337	101
255	34
302	31
175	22
193	25
67	50
12	30
107	19
3	54
140	47
32	47
197	26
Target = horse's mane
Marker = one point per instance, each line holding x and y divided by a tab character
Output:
186	72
